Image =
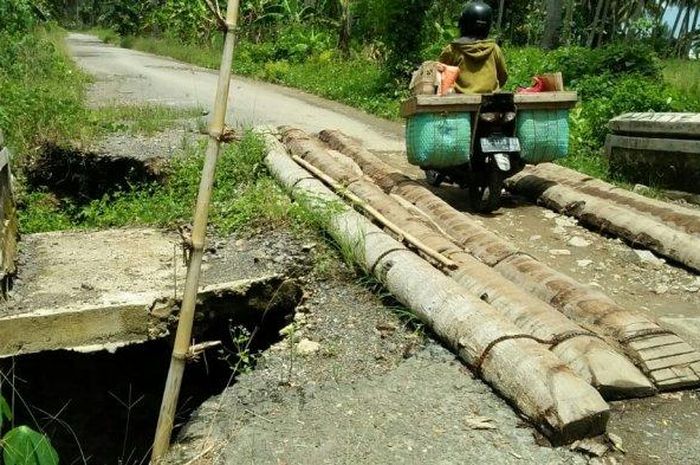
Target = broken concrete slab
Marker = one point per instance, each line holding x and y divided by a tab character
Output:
94	290
72	270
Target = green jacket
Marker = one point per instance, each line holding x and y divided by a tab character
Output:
481	63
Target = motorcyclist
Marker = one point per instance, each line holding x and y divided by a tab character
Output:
480	60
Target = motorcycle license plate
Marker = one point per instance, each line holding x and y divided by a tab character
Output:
500	144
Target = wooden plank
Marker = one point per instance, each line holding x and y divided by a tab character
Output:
654	342
546	100
674	361
686	125
463	102
435	104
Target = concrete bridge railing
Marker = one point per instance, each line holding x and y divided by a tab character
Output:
660	149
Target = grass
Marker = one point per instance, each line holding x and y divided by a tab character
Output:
684	76
244	197
107	36
137	119
43	98
42	91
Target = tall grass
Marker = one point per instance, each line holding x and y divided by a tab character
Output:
684	76
42	98
41	91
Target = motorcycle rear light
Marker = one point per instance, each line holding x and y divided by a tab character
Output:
509	117
489	117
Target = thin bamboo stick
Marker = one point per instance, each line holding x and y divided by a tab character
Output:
404	236
183	337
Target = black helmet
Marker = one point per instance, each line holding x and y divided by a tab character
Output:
476	20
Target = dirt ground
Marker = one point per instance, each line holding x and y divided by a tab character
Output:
354	382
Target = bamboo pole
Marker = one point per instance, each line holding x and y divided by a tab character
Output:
184	328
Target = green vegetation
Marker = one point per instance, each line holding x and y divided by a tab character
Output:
610	80
22	445
43	95
42	92
136	119
295	44
684	76
244	196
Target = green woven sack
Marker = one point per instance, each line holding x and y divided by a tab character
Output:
439	140
543	134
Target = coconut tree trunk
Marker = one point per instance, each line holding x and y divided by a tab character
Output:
605	216
568	20
501	7
345	28
684	219
526	373
632	13
681	9
683	39
603	22
596	20
589	357
553	24
669	361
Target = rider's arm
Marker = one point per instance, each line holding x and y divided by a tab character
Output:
501	70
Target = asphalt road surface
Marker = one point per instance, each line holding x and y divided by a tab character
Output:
129	76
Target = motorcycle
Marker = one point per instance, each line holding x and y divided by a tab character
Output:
495	154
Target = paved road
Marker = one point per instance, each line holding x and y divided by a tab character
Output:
138	77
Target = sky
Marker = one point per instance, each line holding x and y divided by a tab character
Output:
670	16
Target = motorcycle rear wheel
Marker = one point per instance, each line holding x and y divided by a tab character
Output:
434	178
486	197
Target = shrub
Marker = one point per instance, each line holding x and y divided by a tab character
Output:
42	91
404	34
626	58
524	63
607	96
575	63
297	43
275	71
17	16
